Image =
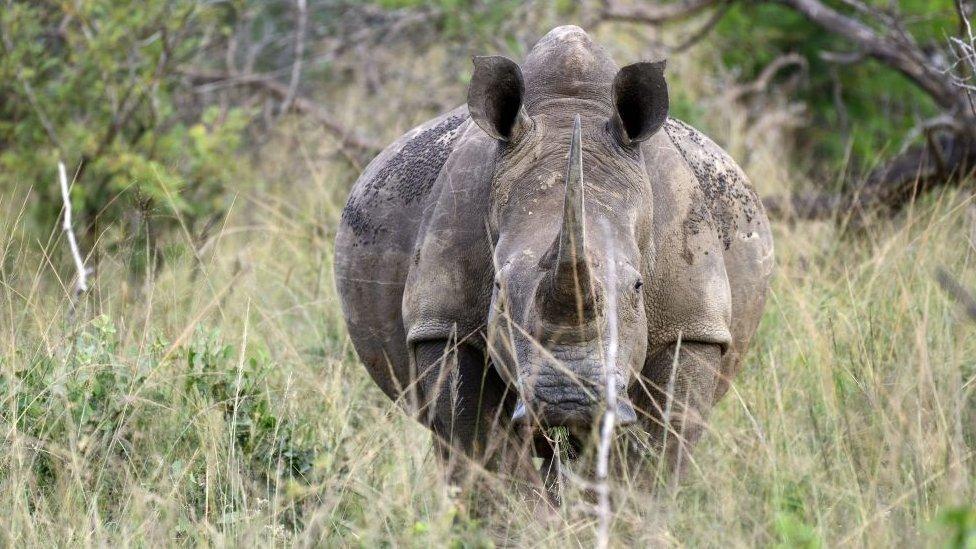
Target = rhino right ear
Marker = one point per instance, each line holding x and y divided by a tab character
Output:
640	100
495	97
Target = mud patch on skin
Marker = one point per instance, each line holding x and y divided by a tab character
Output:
726	191
406	177
699	219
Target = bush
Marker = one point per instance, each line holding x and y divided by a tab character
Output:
97	85
865	105
135	412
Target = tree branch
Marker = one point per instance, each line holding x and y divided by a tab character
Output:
655	14
347	139
296	67
768	73
907	60
879	34
705	29
940	161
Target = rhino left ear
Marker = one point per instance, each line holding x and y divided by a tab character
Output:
495	97
640	100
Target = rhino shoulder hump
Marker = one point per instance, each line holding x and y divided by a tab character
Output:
730	198
401	175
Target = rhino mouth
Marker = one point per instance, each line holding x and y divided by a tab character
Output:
556	400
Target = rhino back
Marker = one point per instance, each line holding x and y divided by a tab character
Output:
376	236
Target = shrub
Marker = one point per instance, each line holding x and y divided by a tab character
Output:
97	85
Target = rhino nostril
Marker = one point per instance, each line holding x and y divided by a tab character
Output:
625	413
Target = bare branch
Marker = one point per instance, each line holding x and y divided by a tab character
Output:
81	283
347	139
965	49
941	160
879	33
701	33
842	58
897	50
965	28
296	67
655	14
768	73
909	61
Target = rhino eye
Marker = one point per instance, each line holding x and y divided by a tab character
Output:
639	284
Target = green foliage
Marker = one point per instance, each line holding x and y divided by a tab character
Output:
867	104
960	522
96	84
790	521
237	390
95	393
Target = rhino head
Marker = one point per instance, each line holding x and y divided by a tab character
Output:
571	217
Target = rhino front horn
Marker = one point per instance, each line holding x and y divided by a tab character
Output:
570	278
572	233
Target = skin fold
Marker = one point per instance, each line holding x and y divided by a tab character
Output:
485	259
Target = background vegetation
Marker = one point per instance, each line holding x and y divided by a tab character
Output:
204	391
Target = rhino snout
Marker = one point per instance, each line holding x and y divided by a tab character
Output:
569	405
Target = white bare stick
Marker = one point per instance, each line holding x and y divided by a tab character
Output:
610	417
81	284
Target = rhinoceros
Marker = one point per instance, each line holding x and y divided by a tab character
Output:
508	265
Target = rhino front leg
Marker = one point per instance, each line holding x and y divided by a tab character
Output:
677	397
451	398
467	405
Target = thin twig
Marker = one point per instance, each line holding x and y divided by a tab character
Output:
347	138
81	283
842	58
769	72
654	13
296	67
705	29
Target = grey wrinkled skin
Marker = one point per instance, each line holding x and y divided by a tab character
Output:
458	259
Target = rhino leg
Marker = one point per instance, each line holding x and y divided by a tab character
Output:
677	396
467	405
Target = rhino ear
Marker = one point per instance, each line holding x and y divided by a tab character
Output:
495	97
640	100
